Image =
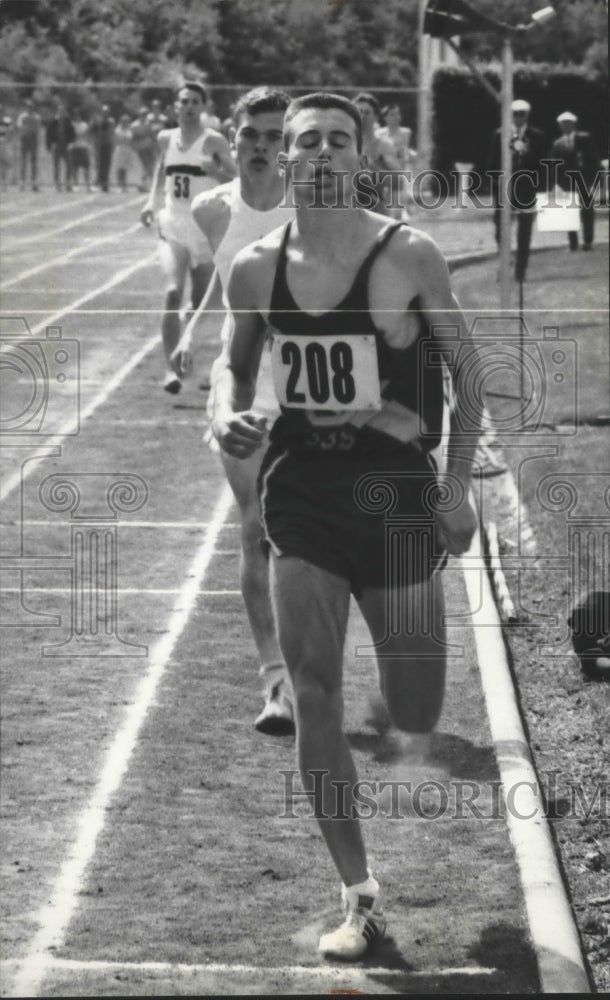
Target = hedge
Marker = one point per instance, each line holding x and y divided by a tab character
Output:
466	115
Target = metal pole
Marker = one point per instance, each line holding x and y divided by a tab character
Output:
423	94
506	167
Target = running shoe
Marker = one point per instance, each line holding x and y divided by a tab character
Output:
173	383
277	716
364	924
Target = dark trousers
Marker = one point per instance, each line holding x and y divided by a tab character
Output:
61	154
29	152
525	225
104	159
587	221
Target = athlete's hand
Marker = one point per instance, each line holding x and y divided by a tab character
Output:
456	528
240	434
181	358
146	216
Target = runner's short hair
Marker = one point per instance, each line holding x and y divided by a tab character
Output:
324	101
365	98
260	100
198	88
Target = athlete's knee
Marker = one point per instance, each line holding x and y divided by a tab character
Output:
318	703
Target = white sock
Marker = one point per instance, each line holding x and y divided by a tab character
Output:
370	887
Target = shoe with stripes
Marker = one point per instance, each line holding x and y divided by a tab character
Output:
363	925
277	715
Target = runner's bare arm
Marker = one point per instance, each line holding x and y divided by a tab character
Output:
238	429
221	154
148	212
449	329
211	302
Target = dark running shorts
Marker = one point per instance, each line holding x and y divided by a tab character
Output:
373	528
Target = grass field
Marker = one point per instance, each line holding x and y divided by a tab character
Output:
146	846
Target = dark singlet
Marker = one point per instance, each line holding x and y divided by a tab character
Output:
326	363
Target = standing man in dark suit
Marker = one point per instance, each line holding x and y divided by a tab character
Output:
60	135
577	154
527	178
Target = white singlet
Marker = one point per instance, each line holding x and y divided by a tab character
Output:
245	226
187	174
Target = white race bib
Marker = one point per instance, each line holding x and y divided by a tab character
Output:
332	373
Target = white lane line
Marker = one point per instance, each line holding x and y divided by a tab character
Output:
218	968
72	425
53	919
18	218
126	590
43	237
132	524
58	261
553	932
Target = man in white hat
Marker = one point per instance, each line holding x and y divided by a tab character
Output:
577	156
527	178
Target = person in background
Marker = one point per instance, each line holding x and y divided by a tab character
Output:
157	120
578	156
191	160
7	159
80	150
401	185
144	144
379	157
123	155
209	118
59	137
528	146
103	134
29	125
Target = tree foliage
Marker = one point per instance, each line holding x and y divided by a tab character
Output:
326	43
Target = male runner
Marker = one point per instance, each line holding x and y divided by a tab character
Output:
351	300
231	217
401	184
191	160
379	157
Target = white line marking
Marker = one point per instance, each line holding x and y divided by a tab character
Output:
122	590
218	968
54	919
18	218
71	425
554	936
43	237
57	261
134	524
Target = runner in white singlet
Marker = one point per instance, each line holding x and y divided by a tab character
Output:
231	217
191	160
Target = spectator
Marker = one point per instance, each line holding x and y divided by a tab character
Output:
156	119
527	177
103	135
123	151
80	151
7	134
401	184
209	118
29	124
578	157
60	136
143	141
